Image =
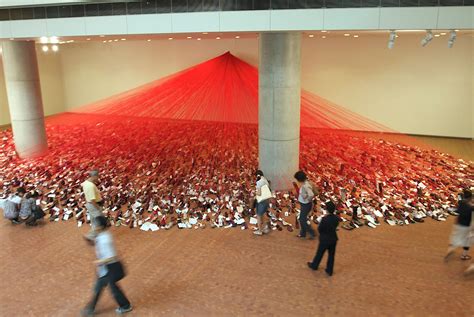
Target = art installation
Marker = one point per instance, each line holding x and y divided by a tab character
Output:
182	152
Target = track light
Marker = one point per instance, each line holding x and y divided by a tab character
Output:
428	37
452	38
391	39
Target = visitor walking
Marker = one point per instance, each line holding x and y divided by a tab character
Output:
263	202
461	235
93	201
109	270
327	239
305	198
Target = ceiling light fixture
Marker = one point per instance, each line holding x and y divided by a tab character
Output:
101	35
198	38
427	39
148	40
189	37
170	38
44	40
88	39
443	33
55	48
45	48
452	38
311	35
53	39
391	39
237	37
218	38
204	32
356	35
347	34
324	36
123	39
323	31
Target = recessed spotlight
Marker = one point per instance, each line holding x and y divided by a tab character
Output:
456	30
88	39
55	48
44	40
237	37
443	33
356	35
311	35
170	38
437	35
148	40
110	41
324	36
323	31
104	41
123	39
53	39
189	37
71	41
347	34
198	38
45	48
218	38
116	40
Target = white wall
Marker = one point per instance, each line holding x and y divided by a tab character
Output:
427	91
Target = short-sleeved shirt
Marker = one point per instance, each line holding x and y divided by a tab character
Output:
11	207
306	193
465	211
104	249
262	182
26	207
91	192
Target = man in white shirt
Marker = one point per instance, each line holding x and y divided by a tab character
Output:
93	200
106	254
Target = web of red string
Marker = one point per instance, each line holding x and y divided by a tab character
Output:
198	128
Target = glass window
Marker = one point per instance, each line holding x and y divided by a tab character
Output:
179	5
39	13
149	7
64	11
4	15
119	9
370	3
428	3
280	4
227	5
77	11
297	4
27	13
15	14
243	5
261	4
92	10
210	5
314	3
333	3
52	12
134	8
390	3
351	3
106	9
194	5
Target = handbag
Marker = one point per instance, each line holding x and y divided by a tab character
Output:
115	271
266	193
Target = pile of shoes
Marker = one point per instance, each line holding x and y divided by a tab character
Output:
195	175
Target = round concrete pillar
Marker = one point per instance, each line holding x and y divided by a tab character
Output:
24	97
279	107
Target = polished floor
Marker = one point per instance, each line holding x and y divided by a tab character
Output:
388	271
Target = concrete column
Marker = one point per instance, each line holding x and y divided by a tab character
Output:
279	107
24	97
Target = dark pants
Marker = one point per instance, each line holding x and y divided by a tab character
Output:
117	293
305	210
331	248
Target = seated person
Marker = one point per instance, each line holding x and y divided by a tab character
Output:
29	211
11	206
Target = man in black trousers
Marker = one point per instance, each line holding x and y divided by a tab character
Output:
327	239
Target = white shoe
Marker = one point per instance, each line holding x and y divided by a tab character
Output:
258	233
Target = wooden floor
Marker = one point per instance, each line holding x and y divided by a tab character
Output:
388	271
